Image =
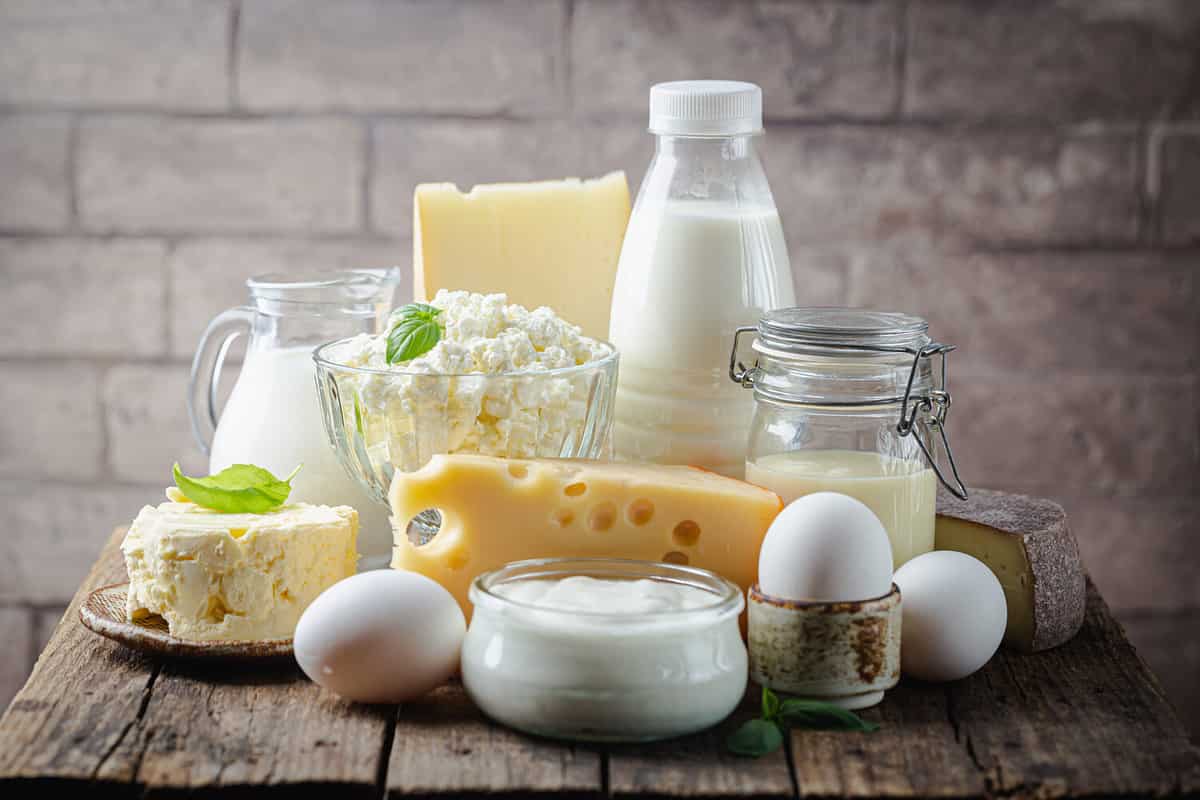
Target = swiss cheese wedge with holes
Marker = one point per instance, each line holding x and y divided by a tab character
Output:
497	510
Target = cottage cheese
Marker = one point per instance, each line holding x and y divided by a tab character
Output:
487	387
216	576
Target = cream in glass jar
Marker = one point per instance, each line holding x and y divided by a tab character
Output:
604	649
848	401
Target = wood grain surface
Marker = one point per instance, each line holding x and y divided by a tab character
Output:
1086	719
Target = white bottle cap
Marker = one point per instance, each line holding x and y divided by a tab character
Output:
705	108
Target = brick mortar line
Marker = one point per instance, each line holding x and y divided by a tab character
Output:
1080	249
367	179
77	485
900	65
377	236
72	167
1152	188
997	123
245	114
567	95
166	303
1150	219
232	66
983	374
105	451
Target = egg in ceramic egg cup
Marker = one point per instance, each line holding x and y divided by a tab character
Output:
808	631
845	653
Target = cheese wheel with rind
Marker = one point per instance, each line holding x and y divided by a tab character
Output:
1028	544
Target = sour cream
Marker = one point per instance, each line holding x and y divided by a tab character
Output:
604	650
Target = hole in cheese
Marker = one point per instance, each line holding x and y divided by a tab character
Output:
563	517
602	516
424	526
575	489
686	533
640	511
675	557
518	471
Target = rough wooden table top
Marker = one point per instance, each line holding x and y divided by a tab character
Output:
1083	720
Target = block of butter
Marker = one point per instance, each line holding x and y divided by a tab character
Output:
1027	543
548	243
497	510
216	576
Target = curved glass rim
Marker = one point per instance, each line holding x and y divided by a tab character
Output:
322	278
831	326
322	360
730	600
358	291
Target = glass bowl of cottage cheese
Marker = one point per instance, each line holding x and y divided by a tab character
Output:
502	380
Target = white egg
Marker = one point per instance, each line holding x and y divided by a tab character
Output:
826	547
954	615
383	636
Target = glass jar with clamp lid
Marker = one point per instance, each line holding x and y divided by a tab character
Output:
848	400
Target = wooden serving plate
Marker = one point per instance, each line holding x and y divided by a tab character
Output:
103	612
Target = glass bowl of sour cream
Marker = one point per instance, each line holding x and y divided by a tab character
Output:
605	649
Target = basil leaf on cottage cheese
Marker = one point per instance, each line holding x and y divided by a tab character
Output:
495	383
416	332
238	489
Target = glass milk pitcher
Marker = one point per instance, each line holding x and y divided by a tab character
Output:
273	416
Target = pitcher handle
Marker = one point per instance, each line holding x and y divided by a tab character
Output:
205	379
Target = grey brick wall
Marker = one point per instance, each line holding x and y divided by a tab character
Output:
1026	173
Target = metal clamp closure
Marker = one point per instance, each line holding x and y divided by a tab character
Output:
738	372
936	407
931	409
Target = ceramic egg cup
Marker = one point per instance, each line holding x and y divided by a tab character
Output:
846	653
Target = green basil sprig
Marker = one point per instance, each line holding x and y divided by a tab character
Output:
415	333
764	734
239	489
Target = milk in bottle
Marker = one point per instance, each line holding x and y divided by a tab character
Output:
704	253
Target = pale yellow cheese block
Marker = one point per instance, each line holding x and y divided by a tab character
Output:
498	510
549	243
1028	545
235	577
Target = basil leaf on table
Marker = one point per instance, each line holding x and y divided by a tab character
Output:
415	333
755	738
801	713
763	735
238	489
770	704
